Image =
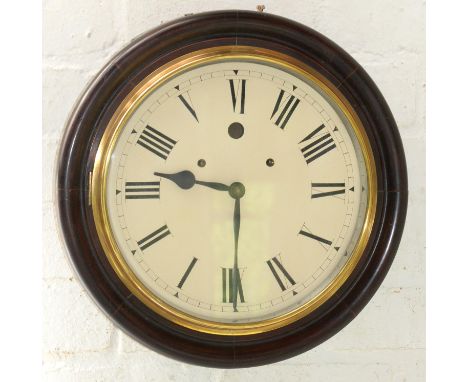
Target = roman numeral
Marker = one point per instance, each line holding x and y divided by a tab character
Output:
187	273
154	237
142	190
337	189
285	280
320	145
315	237
284	108
234	86
228	275
187	102
156	142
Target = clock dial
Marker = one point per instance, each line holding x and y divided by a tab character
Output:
236	191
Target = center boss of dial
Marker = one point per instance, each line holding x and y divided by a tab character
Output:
237	190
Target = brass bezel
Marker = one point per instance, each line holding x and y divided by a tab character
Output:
108	140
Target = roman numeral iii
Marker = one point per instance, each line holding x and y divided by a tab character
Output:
142	190
156	142
281	275
332	189
237	88
284	108
153	237
228	275
316	144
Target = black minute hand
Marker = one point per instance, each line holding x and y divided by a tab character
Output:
235	271
236	191
186	180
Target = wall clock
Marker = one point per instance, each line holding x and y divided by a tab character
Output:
232	189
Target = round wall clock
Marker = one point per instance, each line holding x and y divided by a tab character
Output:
232	189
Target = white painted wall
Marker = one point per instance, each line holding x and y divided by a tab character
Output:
386	342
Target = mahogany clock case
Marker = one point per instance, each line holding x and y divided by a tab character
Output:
96	107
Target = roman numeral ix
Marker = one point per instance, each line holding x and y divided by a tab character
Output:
234	85
154	237
142	190
228	275
156	142
284	108
316	144
285	280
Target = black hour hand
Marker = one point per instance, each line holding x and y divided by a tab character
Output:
186	180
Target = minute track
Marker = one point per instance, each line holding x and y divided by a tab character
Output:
184	185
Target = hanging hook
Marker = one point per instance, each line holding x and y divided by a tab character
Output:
260	8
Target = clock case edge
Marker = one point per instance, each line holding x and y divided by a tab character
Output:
86	125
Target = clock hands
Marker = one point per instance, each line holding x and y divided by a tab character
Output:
236	191
214	185
186	180
235	269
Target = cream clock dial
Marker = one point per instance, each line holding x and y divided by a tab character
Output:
236	191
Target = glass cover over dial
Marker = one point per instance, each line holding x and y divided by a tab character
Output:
236	191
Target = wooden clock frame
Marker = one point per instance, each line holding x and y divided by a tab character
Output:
96	107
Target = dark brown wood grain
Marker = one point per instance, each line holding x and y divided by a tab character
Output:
95	108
